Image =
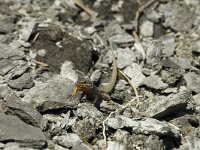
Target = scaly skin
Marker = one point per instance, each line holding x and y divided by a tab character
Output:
91	91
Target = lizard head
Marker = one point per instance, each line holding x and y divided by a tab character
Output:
84	85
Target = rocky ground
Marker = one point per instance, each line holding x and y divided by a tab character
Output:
46	46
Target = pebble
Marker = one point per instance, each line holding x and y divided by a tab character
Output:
193	81
146	28
135	73
125	57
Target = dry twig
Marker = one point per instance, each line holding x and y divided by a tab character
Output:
120	109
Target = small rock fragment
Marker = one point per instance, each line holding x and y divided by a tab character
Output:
125	57
15	106
14	129
183	63
70	141
146	28
178	16
151	14
162	107
122	38
193	81
169	46
155	82
23	82
8	51
153	55
135	73
4	90
145	126
5	66
197	99
54	94
68	71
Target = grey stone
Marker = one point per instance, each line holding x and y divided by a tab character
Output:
111	145
153	55
197	99
18	71
71	140
8	51
183	63
162	107
155	82
54	94
121	136
190	142
68	71
42	52
122	38
13	129
23	82
15	106
135	73
151	14
146	28
121	85
178	16
15	145
169	46
95	76
125	57
115	145
27	29
196	46
2	145
5	66
145	126
193	81
87	110
6	27
4	90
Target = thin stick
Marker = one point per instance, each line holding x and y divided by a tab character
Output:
80	4
133	86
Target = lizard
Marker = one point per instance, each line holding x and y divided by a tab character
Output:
89	88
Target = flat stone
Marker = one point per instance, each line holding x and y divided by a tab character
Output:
23	82
178	16
15	145
8	51
135	73
153	54
15	106
151	14
169	46
183	63
122	38
27	29
86	110
13	129
54	94
162	107
125	57
4	90
155	82
193	81
196	46
190	142
6	27
145	126
197	99
146	28
5	66
71	141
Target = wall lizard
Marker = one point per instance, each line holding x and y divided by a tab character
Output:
90	90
